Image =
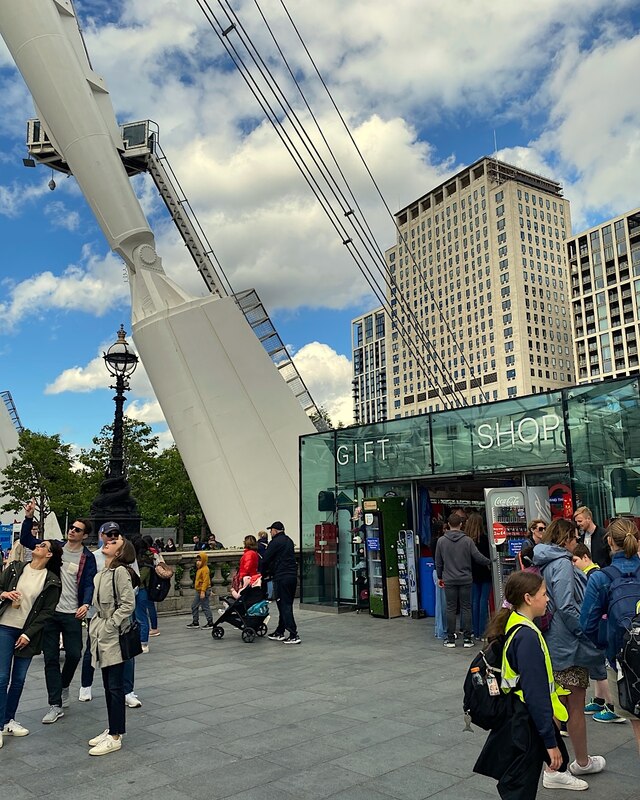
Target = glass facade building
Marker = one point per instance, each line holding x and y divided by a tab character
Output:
584	437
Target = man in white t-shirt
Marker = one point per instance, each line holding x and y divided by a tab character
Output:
77	574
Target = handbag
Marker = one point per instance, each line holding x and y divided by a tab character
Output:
130	644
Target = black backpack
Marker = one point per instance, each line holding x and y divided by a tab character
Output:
629	663
486	710
158	587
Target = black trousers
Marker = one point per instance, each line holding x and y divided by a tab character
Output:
514	754
113	682
285	591
71	630
461	595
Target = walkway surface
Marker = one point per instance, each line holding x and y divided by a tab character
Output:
364	709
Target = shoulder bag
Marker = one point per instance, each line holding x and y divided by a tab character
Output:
130	645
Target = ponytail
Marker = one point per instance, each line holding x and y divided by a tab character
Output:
624	534
517	586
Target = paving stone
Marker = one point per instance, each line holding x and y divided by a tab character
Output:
365	709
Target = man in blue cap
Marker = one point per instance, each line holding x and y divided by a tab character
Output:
279	562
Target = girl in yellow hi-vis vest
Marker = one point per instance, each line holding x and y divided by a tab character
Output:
514	754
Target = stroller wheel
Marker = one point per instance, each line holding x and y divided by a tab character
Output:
217	633
261	629
248	635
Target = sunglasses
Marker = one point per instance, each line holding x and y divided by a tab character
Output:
43	544
541	528
76	529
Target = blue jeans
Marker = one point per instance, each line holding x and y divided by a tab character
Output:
480	607
145	612
13	671
440	630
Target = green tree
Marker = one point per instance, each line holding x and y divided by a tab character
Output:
175	497
42	468
140	456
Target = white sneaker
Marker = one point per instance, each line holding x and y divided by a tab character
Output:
132	700
97	739
53	714
563	780
595	764
106	746
1	740
145	648
85	694
65	698
13	728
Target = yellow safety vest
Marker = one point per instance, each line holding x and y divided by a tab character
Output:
510	677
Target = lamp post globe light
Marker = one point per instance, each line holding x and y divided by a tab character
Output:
114	502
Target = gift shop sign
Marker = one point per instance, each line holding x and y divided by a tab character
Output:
514	434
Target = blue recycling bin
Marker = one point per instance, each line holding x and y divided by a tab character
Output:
426	569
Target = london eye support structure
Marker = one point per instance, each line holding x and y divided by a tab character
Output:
234	420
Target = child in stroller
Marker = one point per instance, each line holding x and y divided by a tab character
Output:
247	610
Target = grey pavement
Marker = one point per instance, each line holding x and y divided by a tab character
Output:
364	709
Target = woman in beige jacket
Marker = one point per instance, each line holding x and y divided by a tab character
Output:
115	603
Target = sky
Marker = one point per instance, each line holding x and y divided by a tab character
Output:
426	87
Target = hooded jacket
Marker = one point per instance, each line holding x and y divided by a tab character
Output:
455	554
41	611
203	576
566	584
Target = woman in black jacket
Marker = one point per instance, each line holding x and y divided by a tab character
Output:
29	594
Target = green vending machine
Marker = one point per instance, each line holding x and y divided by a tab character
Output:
384	518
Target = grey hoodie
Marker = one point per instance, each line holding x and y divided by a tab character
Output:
454	555
568	646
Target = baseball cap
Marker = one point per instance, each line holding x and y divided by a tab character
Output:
278	526
109	527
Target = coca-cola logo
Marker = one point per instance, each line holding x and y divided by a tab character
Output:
514	500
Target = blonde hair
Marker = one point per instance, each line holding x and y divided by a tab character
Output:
473	527
624	534
584	511
559	532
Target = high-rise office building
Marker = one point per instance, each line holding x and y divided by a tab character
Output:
604	263
480	261
369	367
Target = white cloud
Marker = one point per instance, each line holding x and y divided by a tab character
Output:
148	411
95	287
62	217
327	375
14	198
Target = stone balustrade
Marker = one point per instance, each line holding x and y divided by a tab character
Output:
180	596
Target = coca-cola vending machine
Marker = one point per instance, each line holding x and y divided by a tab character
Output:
508	513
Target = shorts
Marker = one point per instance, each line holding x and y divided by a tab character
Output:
612	680
599	673
572	678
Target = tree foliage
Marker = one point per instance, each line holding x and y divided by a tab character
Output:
42	468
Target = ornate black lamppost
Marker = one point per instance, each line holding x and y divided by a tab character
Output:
115	501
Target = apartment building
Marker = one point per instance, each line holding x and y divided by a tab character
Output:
368	342
480	264
604	263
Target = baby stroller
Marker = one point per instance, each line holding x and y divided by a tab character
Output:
249	613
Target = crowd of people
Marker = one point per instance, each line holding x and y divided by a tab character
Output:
561	631
51	590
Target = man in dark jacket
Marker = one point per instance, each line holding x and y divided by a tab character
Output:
593	536
77	574
454	556
279	562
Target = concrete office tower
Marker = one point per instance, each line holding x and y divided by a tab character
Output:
368	343
489	250
604	263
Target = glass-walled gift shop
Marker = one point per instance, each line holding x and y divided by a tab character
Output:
372	495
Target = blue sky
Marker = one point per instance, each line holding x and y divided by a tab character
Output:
423	85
